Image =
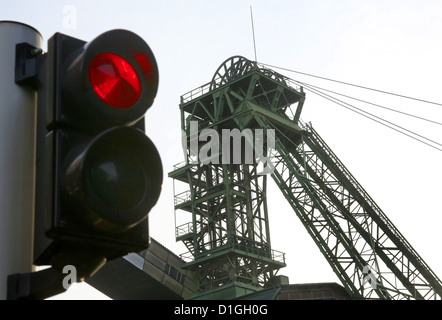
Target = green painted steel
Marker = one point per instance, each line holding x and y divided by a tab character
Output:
227	232
221	206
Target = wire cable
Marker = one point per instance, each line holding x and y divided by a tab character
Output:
351	84
372	116
370	103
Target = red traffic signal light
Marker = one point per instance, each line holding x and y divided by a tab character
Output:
109	81
114	80
98	174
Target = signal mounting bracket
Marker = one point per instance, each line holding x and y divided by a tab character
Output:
26	64
37	285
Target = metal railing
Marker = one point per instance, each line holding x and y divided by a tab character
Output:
184	229
182	197
259	253
195	93
202	90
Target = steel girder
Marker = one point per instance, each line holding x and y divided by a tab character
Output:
367	252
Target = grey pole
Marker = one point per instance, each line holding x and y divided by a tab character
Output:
17	157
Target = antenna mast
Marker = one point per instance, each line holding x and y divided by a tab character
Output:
253	33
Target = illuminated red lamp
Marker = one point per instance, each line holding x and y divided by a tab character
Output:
114	80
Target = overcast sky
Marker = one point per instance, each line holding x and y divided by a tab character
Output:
390	45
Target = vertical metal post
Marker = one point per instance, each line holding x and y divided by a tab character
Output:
17	156
253	33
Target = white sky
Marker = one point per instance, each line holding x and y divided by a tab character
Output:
390	45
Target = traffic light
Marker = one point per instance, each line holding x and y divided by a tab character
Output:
98	175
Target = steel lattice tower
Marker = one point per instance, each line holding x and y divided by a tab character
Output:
227	232
227	235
